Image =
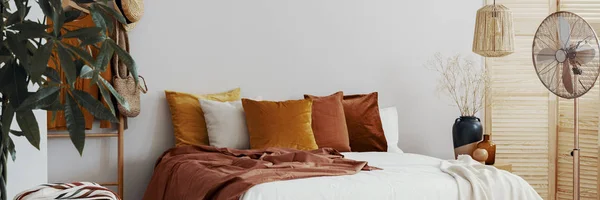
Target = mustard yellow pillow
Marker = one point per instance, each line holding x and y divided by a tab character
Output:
188	118
280	124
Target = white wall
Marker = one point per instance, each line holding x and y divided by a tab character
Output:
31	166
281	50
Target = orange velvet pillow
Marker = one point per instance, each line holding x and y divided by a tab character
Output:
188	118
284	124
364	123
329	122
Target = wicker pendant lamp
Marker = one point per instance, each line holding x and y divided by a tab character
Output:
494	33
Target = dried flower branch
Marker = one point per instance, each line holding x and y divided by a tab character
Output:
463	80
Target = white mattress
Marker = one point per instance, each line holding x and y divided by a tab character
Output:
404	176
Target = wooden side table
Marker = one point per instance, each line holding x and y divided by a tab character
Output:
504	166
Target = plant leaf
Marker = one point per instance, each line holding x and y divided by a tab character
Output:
84	55
11	149
85	41
68	65
78	65
7	78
106	96
30	29
20	4
112	12
3	71
28	25
44	97
104	57
46	8
95	77
6	4
17	133
108	19
54	106
83	32
29	126
83	1
110	22
13	18
58	17
17	47
40	60
5	51
5	59
52	74
116	94
17	92
86	72
72	15
126	58
75	123
92	105
7	118
97	17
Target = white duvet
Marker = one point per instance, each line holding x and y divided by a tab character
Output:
404	176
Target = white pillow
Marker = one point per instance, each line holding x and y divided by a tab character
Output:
389	120
226	124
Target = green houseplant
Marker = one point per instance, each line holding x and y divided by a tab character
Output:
26	49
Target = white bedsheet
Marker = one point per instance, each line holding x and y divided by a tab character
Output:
405	176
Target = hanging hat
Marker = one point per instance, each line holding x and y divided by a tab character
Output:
132	10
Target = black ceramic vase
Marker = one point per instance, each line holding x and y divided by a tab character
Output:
466	133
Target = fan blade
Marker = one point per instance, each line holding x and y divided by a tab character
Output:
566	78
546	54
585	53
564	30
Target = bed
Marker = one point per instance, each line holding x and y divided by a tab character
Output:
207	172
210	172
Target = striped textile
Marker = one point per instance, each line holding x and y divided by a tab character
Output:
76	190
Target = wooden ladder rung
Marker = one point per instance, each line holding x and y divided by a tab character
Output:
109	184
65	135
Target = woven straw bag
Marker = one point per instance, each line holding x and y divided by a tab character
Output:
124	82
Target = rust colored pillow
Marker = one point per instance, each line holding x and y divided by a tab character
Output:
329	122
364	124
284	124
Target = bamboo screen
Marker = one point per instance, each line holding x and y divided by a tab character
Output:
533	129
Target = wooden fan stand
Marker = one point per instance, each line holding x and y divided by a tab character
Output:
575	152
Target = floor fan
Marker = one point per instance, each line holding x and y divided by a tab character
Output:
566	60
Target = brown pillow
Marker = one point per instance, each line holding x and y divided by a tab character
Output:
329	122
364	124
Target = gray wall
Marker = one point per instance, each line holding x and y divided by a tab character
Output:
281	50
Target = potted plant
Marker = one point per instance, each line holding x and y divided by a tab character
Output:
467	85
26	49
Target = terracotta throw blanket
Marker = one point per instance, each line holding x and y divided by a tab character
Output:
207	172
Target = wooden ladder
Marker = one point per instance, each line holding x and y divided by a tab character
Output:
119	136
